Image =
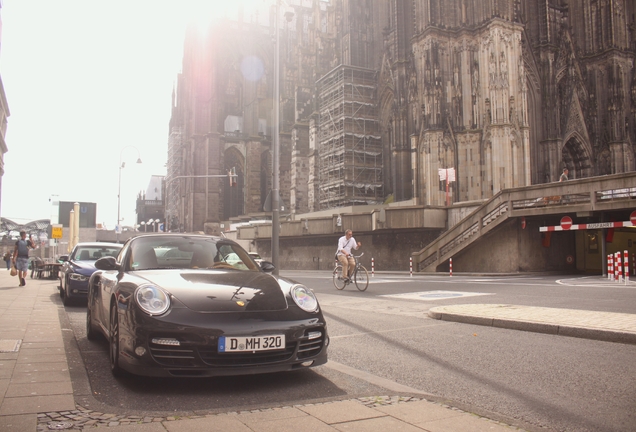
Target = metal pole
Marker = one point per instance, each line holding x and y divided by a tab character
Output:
118	202
276	149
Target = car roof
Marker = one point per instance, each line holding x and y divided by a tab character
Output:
98	244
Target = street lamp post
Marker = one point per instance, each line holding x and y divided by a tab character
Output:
143	223
122	165
276	147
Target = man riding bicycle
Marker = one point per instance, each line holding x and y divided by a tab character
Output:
345	244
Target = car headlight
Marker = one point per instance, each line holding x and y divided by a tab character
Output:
152	300
78	277
304	298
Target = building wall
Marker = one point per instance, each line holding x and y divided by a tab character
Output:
507	93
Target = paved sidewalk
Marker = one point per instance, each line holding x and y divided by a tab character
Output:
606	326
36	391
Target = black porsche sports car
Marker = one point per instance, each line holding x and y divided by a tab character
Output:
176	305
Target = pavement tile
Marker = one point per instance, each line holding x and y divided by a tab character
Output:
21	368
141	427
36	404
41	376
4	385
305	424
6	368
339	412
419	412
250	418
53	356
218	423
381	424
38	389
466	422
42	344
18	423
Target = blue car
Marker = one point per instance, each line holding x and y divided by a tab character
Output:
79	265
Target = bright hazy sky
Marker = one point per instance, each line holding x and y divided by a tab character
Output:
85	80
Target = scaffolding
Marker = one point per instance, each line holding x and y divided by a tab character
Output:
349	141
173	171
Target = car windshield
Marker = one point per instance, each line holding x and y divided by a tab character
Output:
92	253
187	252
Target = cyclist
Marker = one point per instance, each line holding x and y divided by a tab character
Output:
345	244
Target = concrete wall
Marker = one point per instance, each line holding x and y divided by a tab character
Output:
390	250
511	249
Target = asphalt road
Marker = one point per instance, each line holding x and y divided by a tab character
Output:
540	382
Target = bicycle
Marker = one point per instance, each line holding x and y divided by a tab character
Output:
360	275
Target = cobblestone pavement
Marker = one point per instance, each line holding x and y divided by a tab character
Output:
84	419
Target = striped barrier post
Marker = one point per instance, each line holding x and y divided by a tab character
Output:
411	266
619	267
450	266
609	266
615	267
372	267
626	253
612	267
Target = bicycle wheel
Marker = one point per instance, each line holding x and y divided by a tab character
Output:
361	278
338	281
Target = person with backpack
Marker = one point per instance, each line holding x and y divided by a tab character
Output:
21	256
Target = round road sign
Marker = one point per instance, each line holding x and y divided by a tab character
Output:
566	222
569	259
632	218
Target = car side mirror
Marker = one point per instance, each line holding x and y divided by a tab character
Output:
63	258
267	266
106	263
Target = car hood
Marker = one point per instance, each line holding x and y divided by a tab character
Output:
84	267
220	290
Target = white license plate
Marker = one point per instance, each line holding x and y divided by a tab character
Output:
251	343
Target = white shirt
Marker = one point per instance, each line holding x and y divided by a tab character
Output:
347	245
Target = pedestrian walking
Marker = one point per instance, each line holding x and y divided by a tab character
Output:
345	244
7	259
21	256
564	175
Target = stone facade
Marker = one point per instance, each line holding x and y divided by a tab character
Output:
505	92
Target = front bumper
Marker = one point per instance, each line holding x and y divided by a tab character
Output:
196	354
77	288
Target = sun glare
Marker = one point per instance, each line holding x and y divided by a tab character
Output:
203	13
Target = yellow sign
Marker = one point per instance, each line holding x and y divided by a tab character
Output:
56	231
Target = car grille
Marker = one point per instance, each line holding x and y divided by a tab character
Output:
201	356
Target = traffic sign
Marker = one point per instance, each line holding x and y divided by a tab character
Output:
56	231
566	222
632	218
569	259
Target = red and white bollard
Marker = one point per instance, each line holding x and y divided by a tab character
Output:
626	267
619	268
411	266
372	267
450	267
610	270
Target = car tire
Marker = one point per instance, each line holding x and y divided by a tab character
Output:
64	294
91	334
113	343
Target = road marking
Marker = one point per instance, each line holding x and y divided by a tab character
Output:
435	295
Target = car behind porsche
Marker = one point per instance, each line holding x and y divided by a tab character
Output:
196	306
78	266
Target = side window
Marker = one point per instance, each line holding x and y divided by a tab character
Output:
121	257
